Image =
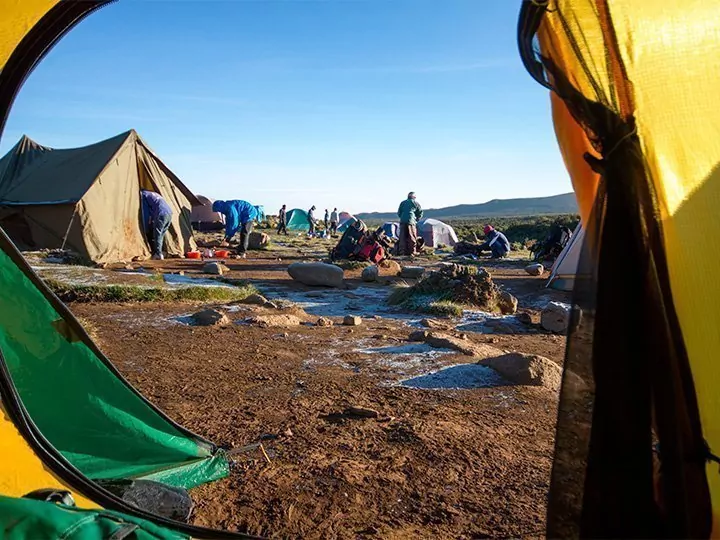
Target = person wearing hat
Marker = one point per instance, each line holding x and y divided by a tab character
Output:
409	213
495	242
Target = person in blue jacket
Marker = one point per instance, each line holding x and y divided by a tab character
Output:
239	216
495	242
157	217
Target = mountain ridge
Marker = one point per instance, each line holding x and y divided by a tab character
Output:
565	203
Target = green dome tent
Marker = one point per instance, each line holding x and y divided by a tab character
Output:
297	220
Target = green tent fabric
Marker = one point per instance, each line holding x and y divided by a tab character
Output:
21	519
297	220
86	410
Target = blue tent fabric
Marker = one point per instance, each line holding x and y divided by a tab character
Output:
391	229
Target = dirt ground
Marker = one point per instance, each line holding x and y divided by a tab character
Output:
437	463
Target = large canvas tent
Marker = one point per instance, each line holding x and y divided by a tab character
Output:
88	199
436	233
565	267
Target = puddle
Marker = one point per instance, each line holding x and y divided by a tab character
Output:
458	377
176	280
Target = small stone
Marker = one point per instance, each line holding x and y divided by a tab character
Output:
272	305
381	337
361	412
536	269
317	274
418	335
389	268
129	267
180	272
214	268
524	318
412	272
507	303
266	321
350	331
370	274
352	320
288	433
324	321
556	317
210	317
256	300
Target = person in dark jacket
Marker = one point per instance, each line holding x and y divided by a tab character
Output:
157	217
495	242
282	220
326	220
409	213
311	221
334	221
239	216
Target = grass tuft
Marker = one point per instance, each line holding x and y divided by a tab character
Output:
133	293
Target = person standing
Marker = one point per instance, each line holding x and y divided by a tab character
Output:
282	220
157	217
239	216
334	222
409	213
311	221
326	221
495	242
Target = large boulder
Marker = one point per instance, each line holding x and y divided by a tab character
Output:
526	369
536	269
507	303
412	272
209	317
556	317
317	274
370	273
255	300
258	240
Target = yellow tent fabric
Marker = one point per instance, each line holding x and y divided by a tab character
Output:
18	17
668	53
21	470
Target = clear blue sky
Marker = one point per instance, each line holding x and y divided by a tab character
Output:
347	103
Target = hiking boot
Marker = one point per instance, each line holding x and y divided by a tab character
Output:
158	257
243	255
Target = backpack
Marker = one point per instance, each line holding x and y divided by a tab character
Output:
371	251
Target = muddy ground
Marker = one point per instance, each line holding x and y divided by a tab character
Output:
462	454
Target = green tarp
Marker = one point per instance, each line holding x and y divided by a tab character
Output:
23	519
84	409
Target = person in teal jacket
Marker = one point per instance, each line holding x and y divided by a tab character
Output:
239	216
409	213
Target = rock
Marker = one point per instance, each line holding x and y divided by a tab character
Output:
324	321
272	305
556	317
441	341
129	267
288	433
381	337
507	303
412	272
352	320
209	317
258	240
180	272
524	318
536	269
370	273
361	412
526	369
255	300
215	268
432	323
389	267
317	274
282	321
418	335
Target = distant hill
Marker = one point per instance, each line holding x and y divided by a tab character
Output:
557	204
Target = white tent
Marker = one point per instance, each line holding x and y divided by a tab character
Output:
436	233
203	217
565	266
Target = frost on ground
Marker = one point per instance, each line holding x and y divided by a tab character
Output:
458	377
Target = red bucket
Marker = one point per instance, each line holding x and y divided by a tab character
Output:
222	254
193	255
